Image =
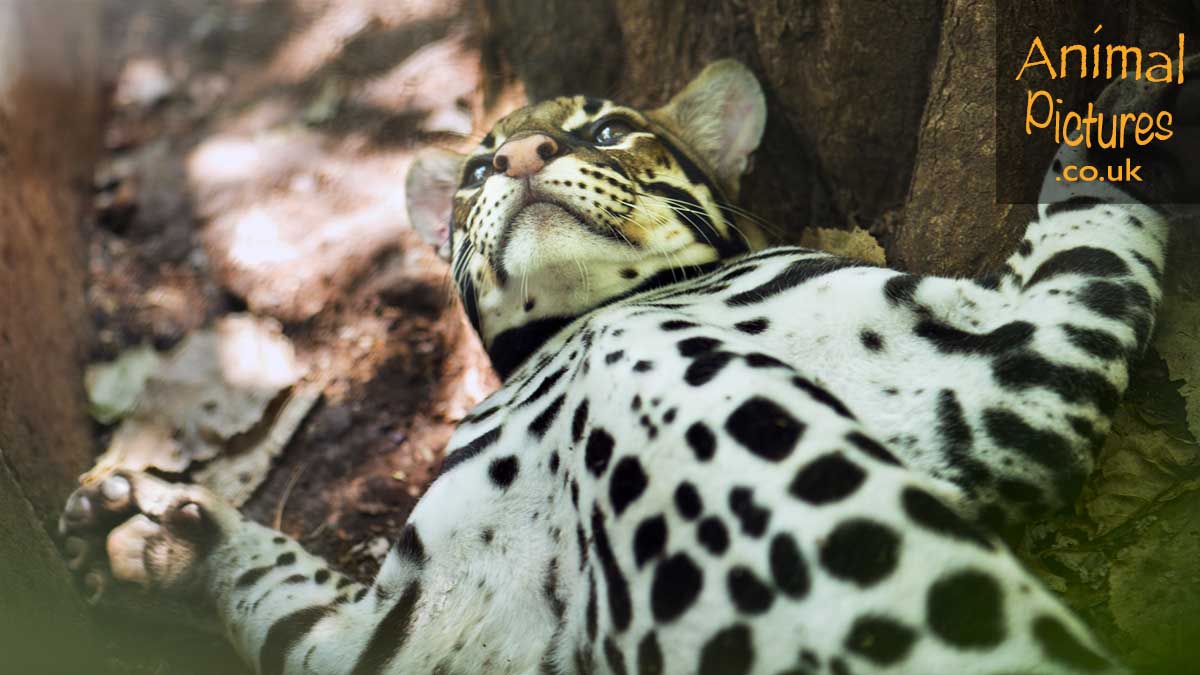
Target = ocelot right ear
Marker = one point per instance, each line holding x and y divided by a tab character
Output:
721	115
429	192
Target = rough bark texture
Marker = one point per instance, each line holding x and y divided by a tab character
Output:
883	116
49	121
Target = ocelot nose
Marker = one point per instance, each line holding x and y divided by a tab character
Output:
524	156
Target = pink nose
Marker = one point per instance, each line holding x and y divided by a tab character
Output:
524	156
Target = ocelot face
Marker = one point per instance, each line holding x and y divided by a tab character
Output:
570	203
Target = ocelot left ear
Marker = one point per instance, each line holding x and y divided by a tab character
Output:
720	115
429	192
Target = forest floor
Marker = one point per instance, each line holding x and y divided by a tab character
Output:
255	157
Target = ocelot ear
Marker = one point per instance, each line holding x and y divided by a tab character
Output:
429	192
720	115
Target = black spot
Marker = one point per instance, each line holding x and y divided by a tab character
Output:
729	652
687	500
542	422
1105	298
285	559
251	576
966	610
613	357
753	326
792	276
409	546
487	535
471	449
578	420
822	396
860	550
591	106
871	447
616	660
950	340
1026	247
649	539
695	346
871	340
1024	370
628	482
283	635
1150	266
788	568
929	512
1085	260
1059	645
760	360
706	367
837	666
748	592
619	604
958	441
1073	204
390	633
554	462
702	441
592	615
643	366
828	478
676	585
1046	448
543	387
880	640
629	273
712	535
321	576
677	324
503	471
1098	343
650	657
900	289
598	451
752	517
764	428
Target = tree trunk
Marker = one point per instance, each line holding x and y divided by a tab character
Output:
49	127
882	116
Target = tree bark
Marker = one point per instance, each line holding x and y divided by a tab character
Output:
49	127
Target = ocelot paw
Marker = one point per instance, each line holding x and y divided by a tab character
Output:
132	527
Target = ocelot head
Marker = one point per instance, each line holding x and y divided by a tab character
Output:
574	202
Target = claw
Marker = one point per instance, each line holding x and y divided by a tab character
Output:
79	510
94	583
76	551
115	489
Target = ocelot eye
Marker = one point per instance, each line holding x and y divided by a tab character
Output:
477	171
611	131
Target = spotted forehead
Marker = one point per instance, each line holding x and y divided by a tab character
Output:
560	114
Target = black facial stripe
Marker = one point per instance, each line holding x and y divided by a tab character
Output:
695	216
466	291
694	174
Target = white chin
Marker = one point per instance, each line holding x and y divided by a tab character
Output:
542	215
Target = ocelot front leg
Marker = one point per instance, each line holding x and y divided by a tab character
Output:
274	599
1005	387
